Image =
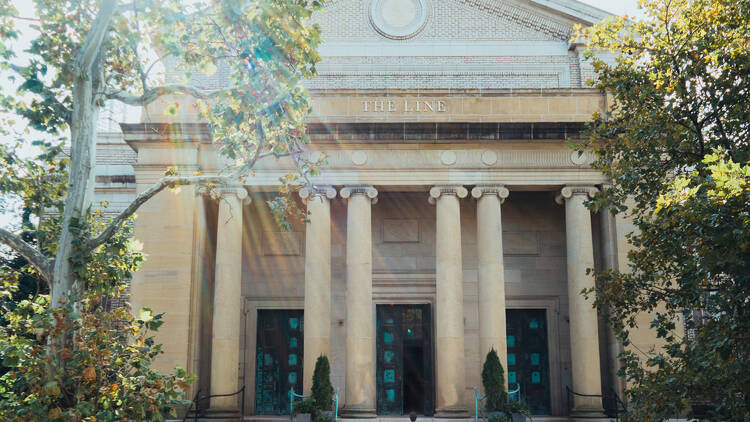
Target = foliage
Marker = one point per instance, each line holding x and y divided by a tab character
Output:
498	417
77	353
493	379
519	407
104	372
305	406
322	390
676	148
323	417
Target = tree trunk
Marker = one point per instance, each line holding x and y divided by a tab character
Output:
80	187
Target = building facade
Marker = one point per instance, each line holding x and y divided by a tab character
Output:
451	220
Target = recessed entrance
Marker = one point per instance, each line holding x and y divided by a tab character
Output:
278	360
528	357
404	362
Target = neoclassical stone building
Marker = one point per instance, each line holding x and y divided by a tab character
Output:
452	221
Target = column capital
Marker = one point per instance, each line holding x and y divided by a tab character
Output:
440	190
309	192
366	190
569	191
219	192
500	190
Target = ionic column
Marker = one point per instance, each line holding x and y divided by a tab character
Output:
360	316
317	278
227	309
449	312
584	328
491	271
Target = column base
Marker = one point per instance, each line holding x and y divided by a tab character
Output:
220	413
452	412
354	412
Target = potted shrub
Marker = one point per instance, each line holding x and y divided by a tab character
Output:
304	410
518	411
493	379
322	390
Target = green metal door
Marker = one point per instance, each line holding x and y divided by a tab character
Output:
278	362
528	357
404	360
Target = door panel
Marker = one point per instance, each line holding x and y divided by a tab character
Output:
528	357
279	358
404	359
390	360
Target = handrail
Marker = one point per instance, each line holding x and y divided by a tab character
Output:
603	397
293	395
477	408
197	401
515	393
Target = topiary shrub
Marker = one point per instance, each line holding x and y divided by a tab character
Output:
493	379
322	390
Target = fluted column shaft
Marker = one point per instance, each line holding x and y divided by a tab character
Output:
584	328
360	316
449	312
317	334
227	306
491	271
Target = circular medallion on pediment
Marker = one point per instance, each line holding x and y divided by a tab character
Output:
398	19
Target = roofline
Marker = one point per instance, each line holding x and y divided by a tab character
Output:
574	9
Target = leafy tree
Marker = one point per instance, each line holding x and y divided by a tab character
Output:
322	390
68	351
493	379
676	148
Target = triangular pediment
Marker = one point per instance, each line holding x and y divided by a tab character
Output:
453	44
458	20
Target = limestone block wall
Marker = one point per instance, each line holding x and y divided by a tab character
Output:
403	228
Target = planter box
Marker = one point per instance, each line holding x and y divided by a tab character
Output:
302	417
517	417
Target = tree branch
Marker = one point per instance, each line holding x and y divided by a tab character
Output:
152	94
40	262
166	182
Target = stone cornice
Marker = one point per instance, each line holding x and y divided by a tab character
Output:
569	191
365	190
499	190
307	193
441	190
138	134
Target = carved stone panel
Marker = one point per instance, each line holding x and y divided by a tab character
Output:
281	244
400	230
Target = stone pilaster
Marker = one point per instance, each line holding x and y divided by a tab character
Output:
584	328
608	224
227	307
360	315
317	278
449	312
491	271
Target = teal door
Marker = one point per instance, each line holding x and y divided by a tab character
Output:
278	361
404	361
528	357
